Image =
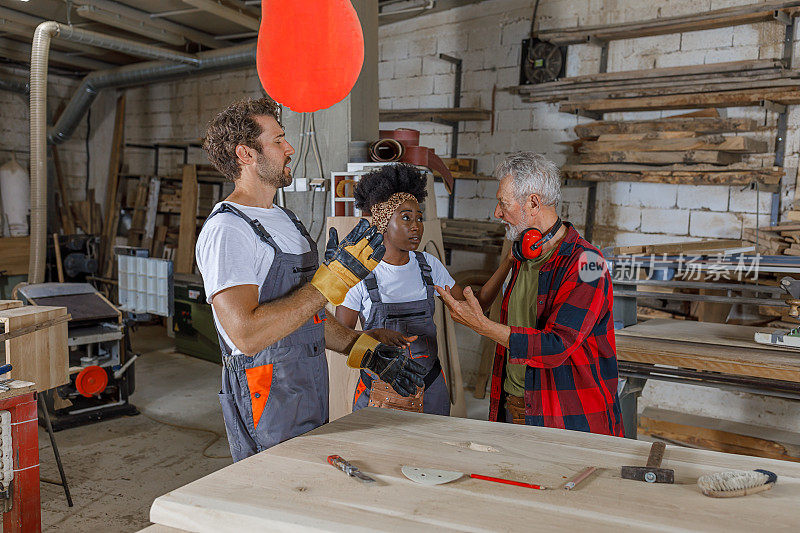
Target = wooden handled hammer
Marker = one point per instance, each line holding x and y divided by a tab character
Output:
652	473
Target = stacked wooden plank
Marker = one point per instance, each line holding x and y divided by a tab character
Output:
783	239
473	235
717	18
699	148
715	77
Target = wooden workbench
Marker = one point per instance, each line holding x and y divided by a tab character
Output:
705	346
290	487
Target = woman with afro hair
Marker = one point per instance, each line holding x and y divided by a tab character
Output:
396	301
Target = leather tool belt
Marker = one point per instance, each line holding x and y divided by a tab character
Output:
383	395
515	405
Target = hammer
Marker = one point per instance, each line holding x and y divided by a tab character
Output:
652	473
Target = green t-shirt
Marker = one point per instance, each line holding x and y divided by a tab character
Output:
522	312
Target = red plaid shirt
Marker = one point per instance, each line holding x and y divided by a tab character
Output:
571	377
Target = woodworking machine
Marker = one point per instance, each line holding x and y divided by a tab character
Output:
100	364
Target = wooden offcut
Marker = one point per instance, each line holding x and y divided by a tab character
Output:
740	98
40	355
111	206
188	225
708	142
697	175
15	255
65	208
660	158
9	304
693	124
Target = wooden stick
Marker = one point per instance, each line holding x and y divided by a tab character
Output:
67	218
578	478
57	251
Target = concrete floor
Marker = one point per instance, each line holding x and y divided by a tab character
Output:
116	468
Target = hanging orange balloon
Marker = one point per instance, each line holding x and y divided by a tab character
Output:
309	52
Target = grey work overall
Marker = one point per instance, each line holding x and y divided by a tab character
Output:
282	391
408	318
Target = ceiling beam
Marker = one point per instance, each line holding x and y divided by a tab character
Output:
143	19
22	52
23	25
229	11
116	21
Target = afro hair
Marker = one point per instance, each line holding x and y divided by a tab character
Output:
379	185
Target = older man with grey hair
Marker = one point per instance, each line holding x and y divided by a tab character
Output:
555	364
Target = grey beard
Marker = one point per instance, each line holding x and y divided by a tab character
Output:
513	232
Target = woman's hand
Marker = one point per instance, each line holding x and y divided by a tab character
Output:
390	337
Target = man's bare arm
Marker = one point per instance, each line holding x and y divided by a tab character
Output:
253	327
338	337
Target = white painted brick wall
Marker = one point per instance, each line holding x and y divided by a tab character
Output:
711	197
655	220
719	225
487	36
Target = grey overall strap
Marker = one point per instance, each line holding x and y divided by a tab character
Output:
300	227
371	284
427	279
262	234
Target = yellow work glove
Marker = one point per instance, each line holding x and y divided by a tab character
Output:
348	262
389	362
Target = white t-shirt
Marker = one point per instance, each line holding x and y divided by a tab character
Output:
229	252
398	284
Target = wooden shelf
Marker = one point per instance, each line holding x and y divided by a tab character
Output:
769	178
719	18
440	114
742	98
727	76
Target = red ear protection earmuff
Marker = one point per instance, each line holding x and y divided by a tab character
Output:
529	245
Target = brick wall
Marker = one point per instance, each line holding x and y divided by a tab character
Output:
487	36
15	129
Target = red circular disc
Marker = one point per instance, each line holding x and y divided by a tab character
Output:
91	380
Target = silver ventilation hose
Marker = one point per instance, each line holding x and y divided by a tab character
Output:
40	52
129	75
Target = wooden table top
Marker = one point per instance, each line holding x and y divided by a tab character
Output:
725	348
290	487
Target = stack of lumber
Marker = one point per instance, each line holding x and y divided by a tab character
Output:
717	18
698	148
473	235
783	239
711	78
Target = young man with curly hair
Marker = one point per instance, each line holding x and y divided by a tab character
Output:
267	290
396	300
